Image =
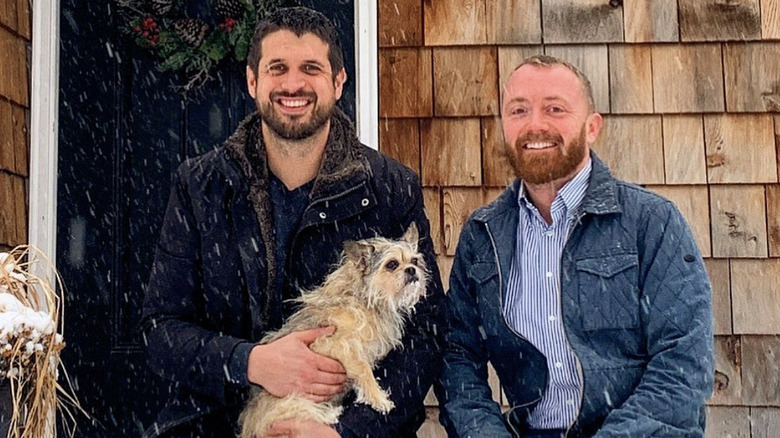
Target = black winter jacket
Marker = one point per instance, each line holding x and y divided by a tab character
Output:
214	265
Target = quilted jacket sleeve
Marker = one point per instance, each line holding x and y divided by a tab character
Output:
677	319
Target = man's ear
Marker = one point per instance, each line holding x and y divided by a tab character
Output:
251	82
338	82
593	127
359	254
412	236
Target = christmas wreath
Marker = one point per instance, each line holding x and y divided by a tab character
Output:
194	48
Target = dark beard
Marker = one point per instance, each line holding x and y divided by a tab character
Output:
295	130
545	169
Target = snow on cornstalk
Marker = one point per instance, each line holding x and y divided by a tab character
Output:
31	320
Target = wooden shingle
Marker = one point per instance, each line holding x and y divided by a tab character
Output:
760	373
738	218
728	369
21	139
687	79
7	215
400	23
764	421
684	157
751	76
630	79
740	148
458	204
728	421
651	21
14	79
400	139
445	268
24	18
773	218
8	14
451	153
19	191
583	21
454	22
719	20
693	203
496	171
513	22
7	146
509	57
720	279
465	81
432	200
770	19
755	296
632	148
405	83
593	61
431	428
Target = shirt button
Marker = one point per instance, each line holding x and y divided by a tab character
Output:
570	402
364	202
558	365
551	318
549	234
548	274
323	215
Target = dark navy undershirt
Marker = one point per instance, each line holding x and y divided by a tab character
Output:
288	207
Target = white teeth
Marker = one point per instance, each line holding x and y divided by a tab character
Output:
293	103
539	145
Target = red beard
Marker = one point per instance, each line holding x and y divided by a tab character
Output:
539	167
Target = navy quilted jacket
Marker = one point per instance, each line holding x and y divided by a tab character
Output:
637	311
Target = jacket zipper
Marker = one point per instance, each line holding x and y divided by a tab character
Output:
566	335
501	301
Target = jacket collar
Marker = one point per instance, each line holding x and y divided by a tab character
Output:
343	159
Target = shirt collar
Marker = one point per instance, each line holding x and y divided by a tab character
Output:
571	194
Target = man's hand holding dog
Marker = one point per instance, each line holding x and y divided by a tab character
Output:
287	366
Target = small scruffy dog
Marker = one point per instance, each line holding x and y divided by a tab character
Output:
367	299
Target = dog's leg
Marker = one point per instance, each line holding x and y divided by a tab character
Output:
367	388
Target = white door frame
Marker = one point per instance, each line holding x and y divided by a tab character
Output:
42	225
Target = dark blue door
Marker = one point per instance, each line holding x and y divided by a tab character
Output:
123	131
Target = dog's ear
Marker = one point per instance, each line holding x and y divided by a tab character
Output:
411	235
359	253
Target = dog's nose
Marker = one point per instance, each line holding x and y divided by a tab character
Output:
410	271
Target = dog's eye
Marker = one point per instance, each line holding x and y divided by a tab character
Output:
415	261
392	265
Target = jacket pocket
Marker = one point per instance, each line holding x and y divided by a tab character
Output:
609	291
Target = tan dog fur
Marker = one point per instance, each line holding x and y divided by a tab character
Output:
367	298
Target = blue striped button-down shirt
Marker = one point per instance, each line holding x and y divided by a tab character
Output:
533	303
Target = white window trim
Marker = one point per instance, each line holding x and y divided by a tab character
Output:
44	103
42	225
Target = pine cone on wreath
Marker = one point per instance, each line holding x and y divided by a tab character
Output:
162	7
230	8
192	31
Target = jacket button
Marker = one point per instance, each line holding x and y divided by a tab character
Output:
323	215
364	202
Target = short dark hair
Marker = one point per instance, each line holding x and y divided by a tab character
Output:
298	20
549	61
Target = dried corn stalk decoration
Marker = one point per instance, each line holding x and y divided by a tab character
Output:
31	320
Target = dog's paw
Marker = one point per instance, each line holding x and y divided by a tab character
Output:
384	405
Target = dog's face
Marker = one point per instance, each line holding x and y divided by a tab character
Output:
393	270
